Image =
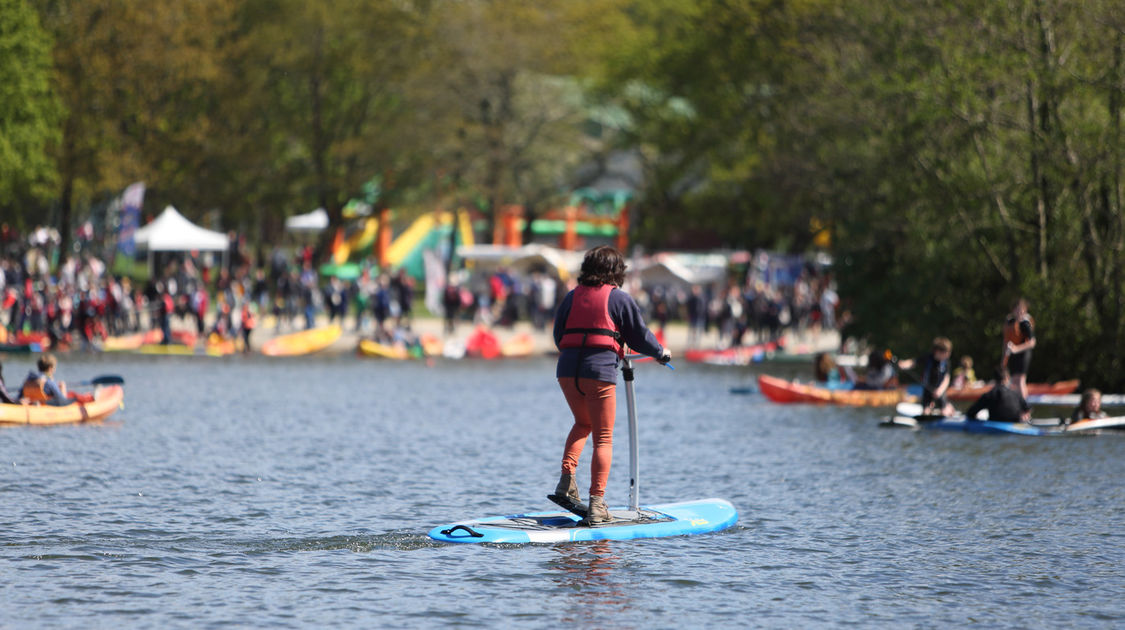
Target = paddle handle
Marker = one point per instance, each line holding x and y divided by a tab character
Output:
645	357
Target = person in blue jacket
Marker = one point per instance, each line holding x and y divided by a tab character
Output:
593	326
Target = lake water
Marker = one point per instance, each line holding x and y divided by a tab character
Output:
297	494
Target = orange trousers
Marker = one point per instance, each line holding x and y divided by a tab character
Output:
594	413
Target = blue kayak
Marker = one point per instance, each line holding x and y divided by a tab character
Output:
670	519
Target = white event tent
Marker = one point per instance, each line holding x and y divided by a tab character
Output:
524	258
314	221
171	232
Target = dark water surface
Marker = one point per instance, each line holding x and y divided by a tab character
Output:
254	493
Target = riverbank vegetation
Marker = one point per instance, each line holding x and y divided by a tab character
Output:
951	155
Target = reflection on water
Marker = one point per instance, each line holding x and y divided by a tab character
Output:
588	571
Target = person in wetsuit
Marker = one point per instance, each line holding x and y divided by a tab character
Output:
1004	403
593	325
1019	339
935	376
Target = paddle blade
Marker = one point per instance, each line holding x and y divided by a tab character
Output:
107	379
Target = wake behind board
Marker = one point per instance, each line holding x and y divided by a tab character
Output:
669	519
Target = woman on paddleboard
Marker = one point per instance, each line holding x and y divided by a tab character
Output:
593	325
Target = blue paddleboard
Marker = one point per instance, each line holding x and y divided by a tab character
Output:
985	426
669	519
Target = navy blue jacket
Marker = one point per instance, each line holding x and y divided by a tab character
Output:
599	363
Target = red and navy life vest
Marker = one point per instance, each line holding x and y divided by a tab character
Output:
589	325
1013	330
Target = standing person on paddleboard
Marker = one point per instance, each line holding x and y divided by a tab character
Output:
1019	339
593	325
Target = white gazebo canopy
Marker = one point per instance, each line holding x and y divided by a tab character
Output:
680	269
314	221
171	232
524	258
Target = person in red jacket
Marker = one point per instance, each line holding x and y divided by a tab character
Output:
248	324
593	326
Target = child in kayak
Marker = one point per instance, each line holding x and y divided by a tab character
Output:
593	325
964	376
40	386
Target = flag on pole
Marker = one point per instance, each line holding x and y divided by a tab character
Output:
131	201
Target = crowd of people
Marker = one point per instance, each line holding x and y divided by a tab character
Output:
75	301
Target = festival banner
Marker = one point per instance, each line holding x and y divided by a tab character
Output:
131	202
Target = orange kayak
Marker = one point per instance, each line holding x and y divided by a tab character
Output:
972	393
106	401
520	345
782	391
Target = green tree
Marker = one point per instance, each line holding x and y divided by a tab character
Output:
325	105
136	79
506	88
29	109
707	86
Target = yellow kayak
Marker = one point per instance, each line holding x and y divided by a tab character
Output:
370	348
304	342
179	349
106	401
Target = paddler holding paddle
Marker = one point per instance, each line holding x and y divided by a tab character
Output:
593	325
935	376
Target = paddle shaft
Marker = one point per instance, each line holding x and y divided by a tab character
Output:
634	446
634	454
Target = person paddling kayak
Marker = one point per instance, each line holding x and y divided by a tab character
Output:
593	325
40	387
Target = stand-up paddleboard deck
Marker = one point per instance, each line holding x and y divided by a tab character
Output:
654	521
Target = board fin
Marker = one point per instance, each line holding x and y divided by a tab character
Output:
568	504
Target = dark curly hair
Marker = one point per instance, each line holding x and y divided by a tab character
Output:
602	265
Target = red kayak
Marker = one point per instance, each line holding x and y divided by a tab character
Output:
736	355
782	391
972	393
